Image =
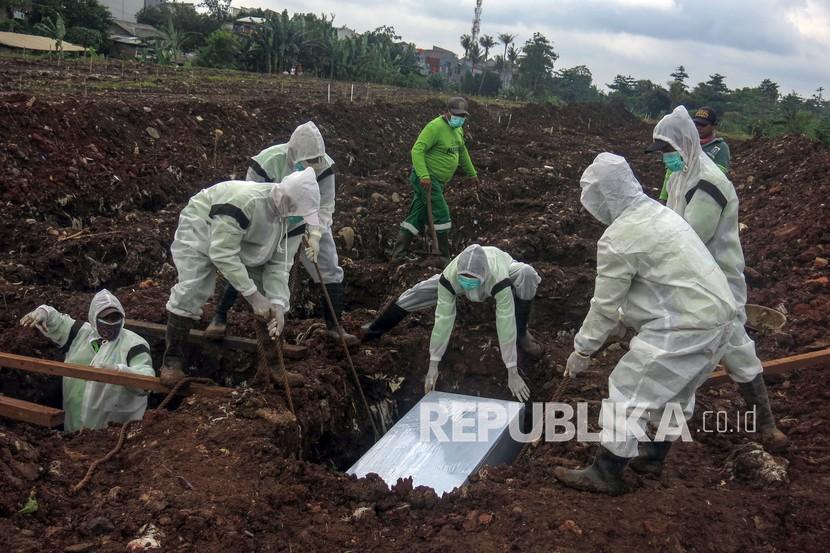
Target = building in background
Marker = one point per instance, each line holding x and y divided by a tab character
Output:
130	39
441	61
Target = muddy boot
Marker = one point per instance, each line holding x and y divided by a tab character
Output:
267	374
401	245
755	396
603	476
386	321
523	337
444	246
172	364
217	327
651	458
335	291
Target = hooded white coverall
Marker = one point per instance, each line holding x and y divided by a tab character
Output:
655	274
239	228
89	404
703	195
275	163
500	275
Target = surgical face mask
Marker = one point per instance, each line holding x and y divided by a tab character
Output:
294	220
457	121
108	330
469	283
673	161
300	166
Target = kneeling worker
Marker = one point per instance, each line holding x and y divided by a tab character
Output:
101	342
477	273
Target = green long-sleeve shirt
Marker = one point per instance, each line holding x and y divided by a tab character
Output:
439	150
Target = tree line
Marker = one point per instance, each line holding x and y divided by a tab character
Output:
525	72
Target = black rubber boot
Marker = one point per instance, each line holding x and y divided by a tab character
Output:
603	476
335	291
523	337
755	395
401	245
386	321
444	245
177	334
217	327
651	458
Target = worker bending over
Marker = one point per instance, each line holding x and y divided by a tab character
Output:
478	273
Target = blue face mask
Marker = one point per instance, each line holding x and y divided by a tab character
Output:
468	283
673	162
457	121
294	220
300	166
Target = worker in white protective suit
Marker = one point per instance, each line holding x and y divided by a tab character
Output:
240	229
304	149
477	273
703	195
101	342
654	275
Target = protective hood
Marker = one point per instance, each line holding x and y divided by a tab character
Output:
609	187
678	129
473	261
101	301
299	195
306	142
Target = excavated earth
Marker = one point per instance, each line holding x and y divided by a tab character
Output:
91	184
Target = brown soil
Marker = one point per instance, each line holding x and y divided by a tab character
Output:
237	475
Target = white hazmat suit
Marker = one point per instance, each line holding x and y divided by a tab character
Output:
241	229
94	404
655	273
703	195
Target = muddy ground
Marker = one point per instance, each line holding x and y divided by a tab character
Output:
93	179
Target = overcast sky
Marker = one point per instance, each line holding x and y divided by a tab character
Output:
787	41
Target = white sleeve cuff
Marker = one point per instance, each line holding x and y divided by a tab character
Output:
249	292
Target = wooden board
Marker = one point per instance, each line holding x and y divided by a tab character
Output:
157	331
778	366
24	411
130	380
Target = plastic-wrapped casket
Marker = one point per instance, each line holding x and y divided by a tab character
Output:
443	440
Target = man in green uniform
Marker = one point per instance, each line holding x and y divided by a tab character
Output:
436	155
705	119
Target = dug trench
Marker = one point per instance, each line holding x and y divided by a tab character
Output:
243	474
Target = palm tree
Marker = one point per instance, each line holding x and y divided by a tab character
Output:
466	43
513	54
54	29
486	42
169	43
506	39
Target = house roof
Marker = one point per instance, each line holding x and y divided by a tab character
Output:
252	20
34	42
140	30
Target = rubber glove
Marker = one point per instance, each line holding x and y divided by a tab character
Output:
260	305
312	249
432	376
37	319
426	183
517	385
277	322
577	363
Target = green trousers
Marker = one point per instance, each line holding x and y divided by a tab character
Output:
416	220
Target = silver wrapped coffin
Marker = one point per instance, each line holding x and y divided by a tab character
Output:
477	432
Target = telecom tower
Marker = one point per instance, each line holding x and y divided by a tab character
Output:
476	23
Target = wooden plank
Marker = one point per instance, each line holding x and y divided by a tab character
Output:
130	380
778	366
157	331
24	411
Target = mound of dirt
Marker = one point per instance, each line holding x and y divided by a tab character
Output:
92	190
